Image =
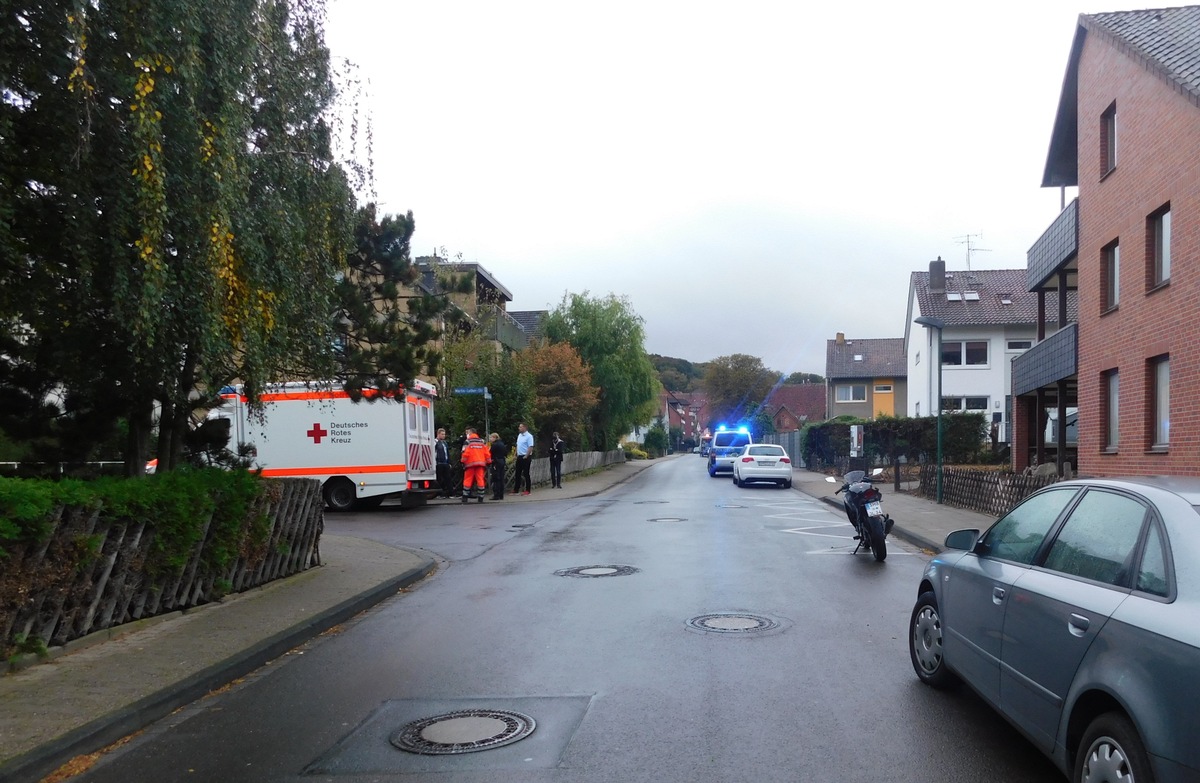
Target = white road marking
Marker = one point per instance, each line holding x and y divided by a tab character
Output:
804	531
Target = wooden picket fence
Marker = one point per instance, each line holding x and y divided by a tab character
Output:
62	595
990	492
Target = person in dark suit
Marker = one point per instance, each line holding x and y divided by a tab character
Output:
557	448
499	453
442	458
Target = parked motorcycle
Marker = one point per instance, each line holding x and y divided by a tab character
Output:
863	504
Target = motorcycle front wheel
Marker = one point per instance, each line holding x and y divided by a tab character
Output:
878	544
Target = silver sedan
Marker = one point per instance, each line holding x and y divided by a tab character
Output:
1077	617
763	462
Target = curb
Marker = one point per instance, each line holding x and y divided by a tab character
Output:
104	731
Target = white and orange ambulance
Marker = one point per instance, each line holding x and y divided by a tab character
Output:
361	452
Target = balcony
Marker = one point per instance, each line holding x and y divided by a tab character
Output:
1055	252
495	324
1050	361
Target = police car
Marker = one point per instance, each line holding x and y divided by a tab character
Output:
726	445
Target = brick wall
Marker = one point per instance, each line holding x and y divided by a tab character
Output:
1157	161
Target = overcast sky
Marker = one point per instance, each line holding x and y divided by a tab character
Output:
755	177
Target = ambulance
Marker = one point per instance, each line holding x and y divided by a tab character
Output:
361	452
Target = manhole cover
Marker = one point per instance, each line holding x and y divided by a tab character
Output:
667	519
465	731
525	525
729	505
732	622
647	502
597	570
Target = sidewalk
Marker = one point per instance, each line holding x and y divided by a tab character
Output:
101	688
111	684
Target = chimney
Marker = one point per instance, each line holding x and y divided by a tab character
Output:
937	276
841	338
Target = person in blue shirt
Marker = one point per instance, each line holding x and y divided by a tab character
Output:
524	458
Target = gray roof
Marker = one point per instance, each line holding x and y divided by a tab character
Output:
530	321
1166	41
993	287
871	358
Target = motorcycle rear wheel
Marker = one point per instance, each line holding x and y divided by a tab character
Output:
878	542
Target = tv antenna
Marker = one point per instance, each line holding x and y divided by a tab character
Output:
966	239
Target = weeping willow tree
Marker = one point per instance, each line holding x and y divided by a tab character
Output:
171	213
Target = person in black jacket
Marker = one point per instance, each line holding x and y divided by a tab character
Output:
557	447
442	458
499	452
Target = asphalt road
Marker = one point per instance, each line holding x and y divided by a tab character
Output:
746	644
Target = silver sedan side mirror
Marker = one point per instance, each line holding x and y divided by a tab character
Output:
962	539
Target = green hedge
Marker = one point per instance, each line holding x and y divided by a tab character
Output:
177	503
888	438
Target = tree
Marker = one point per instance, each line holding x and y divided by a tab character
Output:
804	377
472	360
655	442
736	386
678	375
171	213
384	336
563	392
609	337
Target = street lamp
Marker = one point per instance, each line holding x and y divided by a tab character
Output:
930	322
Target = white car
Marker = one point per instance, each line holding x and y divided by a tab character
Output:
763	462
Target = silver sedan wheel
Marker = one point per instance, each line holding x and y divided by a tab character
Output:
1111	751
927	639
1106	762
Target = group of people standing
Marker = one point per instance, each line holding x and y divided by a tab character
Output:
477	456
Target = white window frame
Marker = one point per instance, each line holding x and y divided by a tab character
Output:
1160	247
1161	402
1108	140
1112	396
850	387
962	353
1110	259
959	404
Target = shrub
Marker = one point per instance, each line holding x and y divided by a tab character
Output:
177	505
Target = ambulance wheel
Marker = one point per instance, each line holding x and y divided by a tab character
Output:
339	494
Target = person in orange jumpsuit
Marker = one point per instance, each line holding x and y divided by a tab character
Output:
475	459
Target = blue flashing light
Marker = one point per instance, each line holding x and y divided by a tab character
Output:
744	430
721	428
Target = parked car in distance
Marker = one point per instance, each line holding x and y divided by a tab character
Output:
763	462
1077	617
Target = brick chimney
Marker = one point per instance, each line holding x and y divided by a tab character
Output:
937	276
841	338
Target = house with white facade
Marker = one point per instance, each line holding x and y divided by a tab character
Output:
989	319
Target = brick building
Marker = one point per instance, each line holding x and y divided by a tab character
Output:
792	405
1127	134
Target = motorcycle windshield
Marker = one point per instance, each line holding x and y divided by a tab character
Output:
854	476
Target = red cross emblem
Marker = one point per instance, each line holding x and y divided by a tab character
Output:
316	433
